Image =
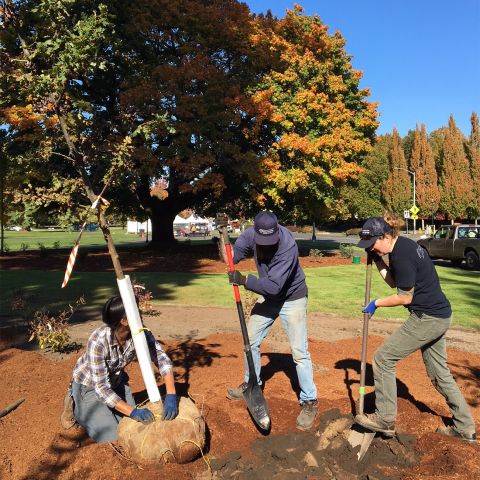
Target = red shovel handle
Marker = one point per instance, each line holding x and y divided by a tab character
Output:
231	266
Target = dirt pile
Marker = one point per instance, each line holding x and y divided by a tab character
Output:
323	452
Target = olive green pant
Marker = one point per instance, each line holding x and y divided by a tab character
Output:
427	334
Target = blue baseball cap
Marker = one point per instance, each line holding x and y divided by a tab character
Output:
266	228
373	228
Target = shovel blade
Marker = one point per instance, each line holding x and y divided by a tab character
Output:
360	436
257	406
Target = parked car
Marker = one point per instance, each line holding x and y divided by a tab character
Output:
92	227
456	243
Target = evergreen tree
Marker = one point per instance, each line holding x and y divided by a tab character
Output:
473	155
436	139
408	144
397	189
423	164
456	185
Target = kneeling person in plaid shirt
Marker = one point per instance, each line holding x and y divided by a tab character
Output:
100	391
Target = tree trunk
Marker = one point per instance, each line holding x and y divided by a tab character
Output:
162	226
162	212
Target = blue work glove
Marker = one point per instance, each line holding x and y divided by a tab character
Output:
170	410
370	308
143	415
236	278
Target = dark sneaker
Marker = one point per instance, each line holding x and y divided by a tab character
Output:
307	415
375	423
464	437
237	393
66	418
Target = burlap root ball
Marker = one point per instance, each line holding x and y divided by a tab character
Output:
168	441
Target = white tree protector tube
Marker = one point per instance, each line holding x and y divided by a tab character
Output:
139	339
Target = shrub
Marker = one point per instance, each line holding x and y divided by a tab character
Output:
6	248
83	253
307	229
21	302
56	244
144	296
24	246
346	250
315	253
353	231
51	331
44	252
293	229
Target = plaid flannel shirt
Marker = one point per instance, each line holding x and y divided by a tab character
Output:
102	364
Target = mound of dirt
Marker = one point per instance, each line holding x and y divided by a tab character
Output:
321	453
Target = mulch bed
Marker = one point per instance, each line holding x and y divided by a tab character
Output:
163	258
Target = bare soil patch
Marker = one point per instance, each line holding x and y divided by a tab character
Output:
206	348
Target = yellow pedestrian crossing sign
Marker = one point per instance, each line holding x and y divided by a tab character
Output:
414	210
414	217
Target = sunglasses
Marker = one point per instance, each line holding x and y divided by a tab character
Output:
366	237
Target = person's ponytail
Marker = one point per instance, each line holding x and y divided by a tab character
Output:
395	222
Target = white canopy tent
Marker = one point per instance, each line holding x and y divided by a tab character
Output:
180	221
196	219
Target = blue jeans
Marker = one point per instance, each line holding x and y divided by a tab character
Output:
427	334
294	318
99	421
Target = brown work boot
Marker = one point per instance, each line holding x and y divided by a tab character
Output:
66	418
237	393
464	437
307	416
375	423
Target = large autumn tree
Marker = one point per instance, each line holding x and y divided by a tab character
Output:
422	162
456	185
397	189
320	125
196	92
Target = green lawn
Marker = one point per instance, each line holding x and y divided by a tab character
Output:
14	240
332	290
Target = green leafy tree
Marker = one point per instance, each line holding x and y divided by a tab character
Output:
397	189
364	199
456	185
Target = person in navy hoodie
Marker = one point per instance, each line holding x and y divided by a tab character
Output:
283	293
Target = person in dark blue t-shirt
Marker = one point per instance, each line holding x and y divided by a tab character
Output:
413	274
283	293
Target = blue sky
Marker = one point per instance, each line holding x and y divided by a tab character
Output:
421	59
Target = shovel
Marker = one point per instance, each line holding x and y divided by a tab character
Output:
361	435
253	395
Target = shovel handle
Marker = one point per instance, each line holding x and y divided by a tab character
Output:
13	406
366	318
246	341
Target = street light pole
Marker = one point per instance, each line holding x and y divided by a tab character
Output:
412	173
433	228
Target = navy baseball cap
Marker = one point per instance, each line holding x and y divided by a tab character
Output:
372	229
266	228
